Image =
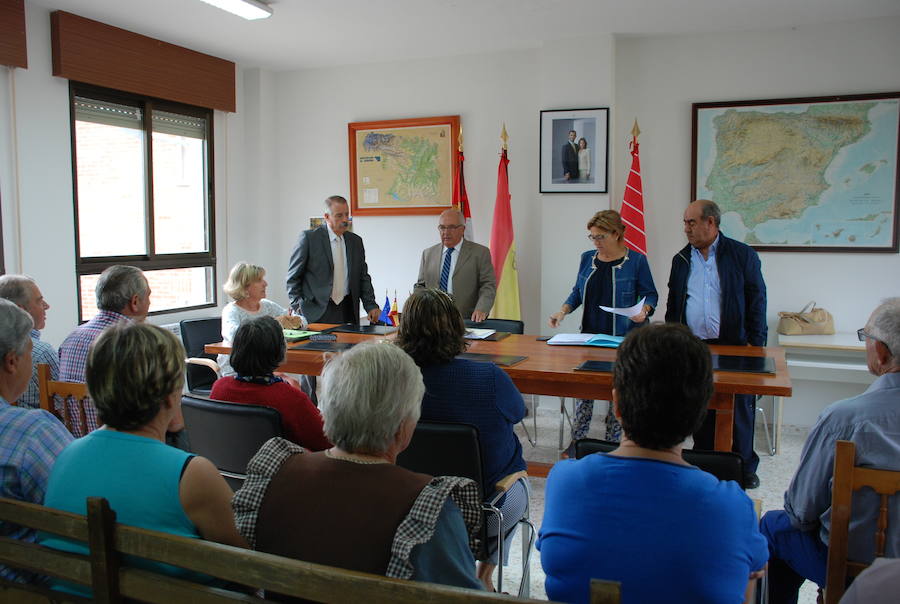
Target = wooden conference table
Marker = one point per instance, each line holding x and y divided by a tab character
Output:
549	370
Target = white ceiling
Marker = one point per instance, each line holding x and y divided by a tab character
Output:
305	34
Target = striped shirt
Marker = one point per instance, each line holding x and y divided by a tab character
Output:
30	441
41	353
73	354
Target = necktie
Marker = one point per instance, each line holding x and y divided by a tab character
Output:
445	269
340	271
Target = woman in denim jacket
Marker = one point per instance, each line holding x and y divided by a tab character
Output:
611	275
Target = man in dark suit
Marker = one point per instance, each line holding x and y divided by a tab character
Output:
570	157
469	274
716	288
327	275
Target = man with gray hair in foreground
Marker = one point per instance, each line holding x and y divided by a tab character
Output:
350	506
798	535
123	294
31	439
22	291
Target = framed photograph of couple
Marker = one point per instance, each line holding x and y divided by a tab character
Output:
574	150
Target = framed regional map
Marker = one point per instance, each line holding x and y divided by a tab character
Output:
802	175
403	166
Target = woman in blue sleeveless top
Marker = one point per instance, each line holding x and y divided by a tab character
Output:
134	375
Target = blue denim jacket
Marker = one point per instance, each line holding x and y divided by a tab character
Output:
632	282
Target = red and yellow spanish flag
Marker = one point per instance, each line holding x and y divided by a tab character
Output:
460	198
395	312
503	250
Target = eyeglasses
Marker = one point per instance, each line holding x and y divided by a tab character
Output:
448	227
862	335
597	237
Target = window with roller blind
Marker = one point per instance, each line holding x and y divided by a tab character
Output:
144	197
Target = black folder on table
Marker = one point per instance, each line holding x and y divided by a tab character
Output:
727	362
600	366
366	330
324	346
504	360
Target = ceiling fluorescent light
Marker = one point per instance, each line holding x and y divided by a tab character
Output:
248	9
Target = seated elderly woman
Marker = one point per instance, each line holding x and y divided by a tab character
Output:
247	285
459	390
350	506
258	349
134	375
641	515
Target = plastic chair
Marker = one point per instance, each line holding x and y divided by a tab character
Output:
228	434
451	449
724	465
847	479
202	369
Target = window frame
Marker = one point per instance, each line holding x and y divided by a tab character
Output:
94	265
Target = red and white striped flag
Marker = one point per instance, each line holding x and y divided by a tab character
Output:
633	201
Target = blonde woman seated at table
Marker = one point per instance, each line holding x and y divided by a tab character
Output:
350	506
246	285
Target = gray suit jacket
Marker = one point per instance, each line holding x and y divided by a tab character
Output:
311	273
474	283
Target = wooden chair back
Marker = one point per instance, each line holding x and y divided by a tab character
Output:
847	479
605	592
74	397
112	582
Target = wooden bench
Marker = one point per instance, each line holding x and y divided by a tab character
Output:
112	582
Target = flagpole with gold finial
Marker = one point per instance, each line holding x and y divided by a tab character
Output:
505	138
460	147
635	131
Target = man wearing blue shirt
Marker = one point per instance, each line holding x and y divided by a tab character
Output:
716	288
30	439
798	535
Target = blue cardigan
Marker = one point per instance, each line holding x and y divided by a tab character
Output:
480	394
743	315
632	281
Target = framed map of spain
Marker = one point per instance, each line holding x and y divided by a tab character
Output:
810	174
403	166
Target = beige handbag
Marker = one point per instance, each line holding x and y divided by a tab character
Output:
809	321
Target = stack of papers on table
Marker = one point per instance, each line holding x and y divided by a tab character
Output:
586	339
479	334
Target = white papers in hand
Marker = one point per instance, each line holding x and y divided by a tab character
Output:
627	312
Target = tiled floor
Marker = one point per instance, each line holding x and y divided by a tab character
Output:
774	474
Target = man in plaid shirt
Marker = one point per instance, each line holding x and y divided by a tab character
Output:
30	439
123	294
22	291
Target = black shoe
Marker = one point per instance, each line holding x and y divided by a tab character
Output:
751	481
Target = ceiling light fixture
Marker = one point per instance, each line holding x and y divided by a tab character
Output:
248	9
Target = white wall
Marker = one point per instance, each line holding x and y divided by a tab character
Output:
314	107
